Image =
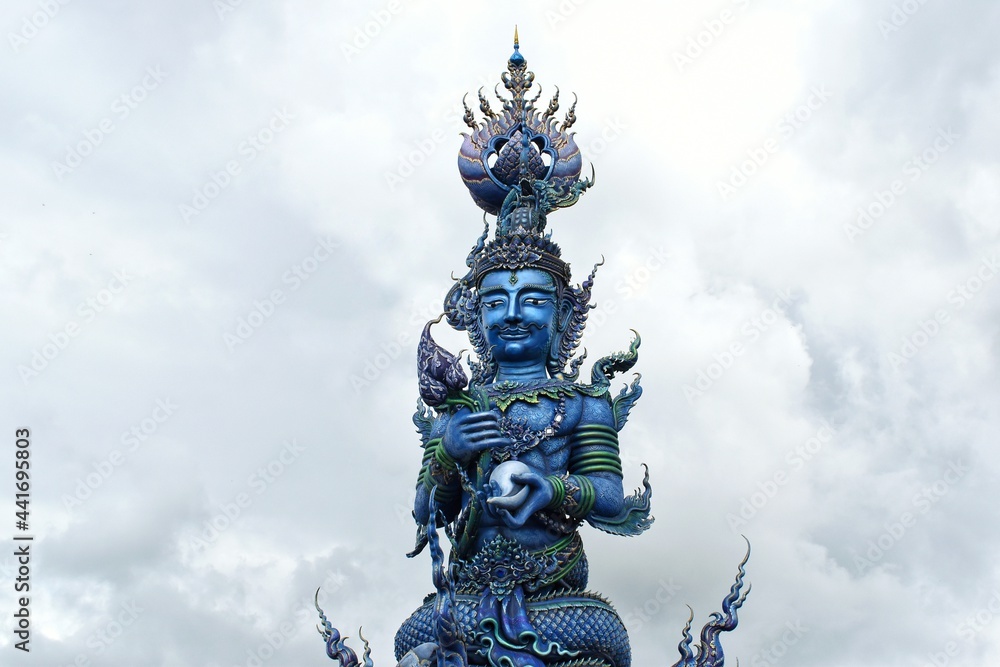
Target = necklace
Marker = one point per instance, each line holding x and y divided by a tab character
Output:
522	438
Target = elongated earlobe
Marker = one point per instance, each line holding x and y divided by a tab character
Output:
565	313
561	322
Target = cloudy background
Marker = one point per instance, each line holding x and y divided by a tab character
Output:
824	385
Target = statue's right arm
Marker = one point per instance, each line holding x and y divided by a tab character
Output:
421	504
435	472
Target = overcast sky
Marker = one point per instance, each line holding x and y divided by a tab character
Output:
224	224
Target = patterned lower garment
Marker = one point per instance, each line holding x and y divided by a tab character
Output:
577	620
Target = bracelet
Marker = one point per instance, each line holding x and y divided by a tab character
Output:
558	492
588	497
573	506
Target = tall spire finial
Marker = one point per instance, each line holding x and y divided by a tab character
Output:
516	58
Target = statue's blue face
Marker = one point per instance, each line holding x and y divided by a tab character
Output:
518	314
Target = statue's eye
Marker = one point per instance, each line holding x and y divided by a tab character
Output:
493	303
535	301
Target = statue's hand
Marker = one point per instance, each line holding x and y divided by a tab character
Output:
540	493
469	433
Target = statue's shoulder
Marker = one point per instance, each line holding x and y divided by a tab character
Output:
595	407
593	390
594	396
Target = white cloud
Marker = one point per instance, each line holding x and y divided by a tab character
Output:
334	514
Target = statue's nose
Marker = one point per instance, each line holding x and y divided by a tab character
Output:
513	314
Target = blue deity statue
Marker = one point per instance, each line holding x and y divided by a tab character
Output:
517	458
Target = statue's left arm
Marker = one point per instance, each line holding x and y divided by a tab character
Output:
594	466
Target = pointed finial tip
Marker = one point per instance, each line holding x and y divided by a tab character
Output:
516	58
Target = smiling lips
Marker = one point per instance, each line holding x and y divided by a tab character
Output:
516	333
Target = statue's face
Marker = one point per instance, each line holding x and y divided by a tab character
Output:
518	313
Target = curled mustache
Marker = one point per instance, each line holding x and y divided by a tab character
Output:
525	328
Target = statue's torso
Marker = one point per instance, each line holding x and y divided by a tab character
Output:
537	411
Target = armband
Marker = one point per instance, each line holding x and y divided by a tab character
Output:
438	469
594	448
